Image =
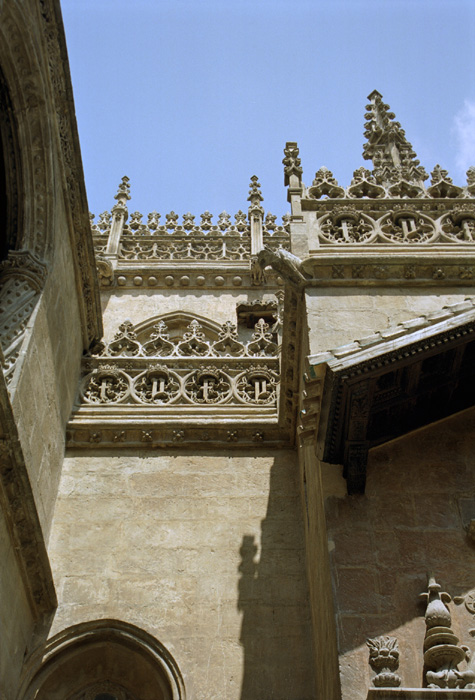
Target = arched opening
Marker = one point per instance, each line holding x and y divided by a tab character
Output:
103	660
9	174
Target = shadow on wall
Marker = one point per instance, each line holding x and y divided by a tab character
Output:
273	597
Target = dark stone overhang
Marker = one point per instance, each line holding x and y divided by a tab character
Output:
374	394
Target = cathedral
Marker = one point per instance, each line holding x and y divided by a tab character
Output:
236	452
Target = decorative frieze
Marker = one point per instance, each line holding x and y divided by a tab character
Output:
129	239
165	384
406	226
198	365
230	276
84	433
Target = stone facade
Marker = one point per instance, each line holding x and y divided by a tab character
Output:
235	452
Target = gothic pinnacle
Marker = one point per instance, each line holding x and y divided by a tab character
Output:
392	154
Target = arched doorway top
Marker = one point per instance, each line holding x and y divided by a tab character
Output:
101	654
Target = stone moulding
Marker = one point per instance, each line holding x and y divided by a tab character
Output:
374	266
246	430
419	694
225	276
73	179
18	505
49	659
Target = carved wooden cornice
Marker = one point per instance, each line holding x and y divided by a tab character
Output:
389	383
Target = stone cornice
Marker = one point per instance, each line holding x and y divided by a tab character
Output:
412	266
224	276
210	432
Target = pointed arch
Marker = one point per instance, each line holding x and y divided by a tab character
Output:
177	322
102	655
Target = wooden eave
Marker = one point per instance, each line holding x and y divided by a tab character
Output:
392	383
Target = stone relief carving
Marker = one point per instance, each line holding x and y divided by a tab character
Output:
193	342
384	660
161	385
442	654
22	277
196	366
344	225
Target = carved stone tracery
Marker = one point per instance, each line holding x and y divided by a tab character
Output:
22	277
196	364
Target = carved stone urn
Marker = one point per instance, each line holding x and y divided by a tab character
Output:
441	651
384	660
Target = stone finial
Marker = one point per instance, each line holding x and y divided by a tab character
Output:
384	660
291	163
439	174
392	154
441	651
123	192
256	215
441	184
324	184
255	195
153	221
122	197
471	179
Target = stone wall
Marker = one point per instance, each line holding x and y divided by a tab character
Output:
204	552
419	496
339	316
16	618
47	384
144	304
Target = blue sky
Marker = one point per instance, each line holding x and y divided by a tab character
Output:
189	98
